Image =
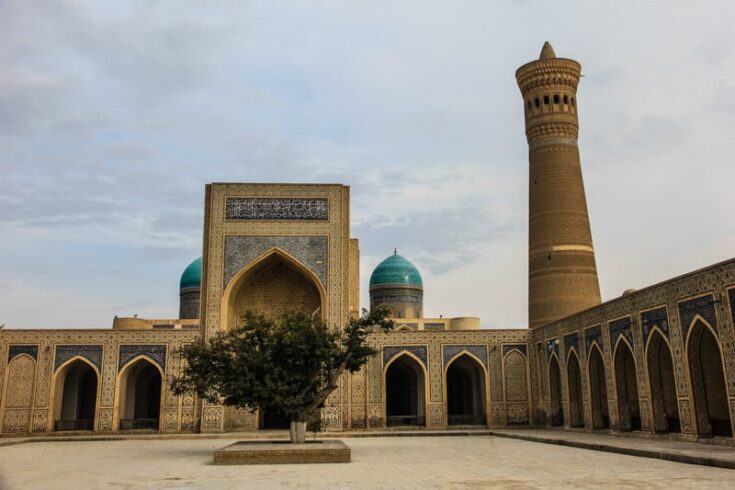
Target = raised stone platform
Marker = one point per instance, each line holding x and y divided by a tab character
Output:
284	452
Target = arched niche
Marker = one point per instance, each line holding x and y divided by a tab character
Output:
405	391
556	417
272	284
465	395
574	381
140	394
708	381
515	383
76	388
626	383
662	384
598	389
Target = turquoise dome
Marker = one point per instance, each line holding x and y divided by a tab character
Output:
396	270
192	276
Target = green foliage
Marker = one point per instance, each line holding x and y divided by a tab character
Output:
290	364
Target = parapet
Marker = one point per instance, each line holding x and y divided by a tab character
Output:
136	323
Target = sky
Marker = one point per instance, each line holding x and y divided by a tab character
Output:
114	116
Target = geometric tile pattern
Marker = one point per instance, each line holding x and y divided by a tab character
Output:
130	352
93	353
479	351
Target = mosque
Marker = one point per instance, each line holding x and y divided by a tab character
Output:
660	360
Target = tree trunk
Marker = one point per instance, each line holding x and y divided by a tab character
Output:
298	432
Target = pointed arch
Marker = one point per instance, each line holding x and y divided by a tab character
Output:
18	389
626	384
707	379
465	390
75	389
661	382
515	387
574	382
404	390
597	381
259	265
139	392
556	415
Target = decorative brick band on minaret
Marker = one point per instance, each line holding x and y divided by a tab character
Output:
562	275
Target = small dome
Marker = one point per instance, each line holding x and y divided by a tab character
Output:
396	270
192	276
628	291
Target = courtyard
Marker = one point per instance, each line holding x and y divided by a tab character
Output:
377	462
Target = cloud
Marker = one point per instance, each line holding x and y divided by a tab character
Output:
113	117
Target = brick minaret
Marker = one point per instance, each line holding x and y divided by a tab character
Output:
562	276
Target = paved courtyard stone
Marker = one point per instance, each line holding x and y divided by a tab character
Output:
393	462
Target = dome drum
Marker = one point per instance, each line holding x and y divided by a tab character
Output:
397	283
190	289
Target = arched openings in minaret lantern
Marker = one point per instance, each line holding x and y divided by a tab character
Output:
551	103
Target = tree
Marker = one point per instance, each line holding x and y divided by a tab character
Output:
290	364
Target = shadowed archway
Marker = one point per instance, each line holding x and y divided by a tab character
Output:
576	404
404	391
140	395
556	417
708	382
663	387
76	396
465	380
598	390
626	381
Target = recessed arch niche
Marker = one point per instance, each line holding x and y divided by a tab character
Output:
465	382
405	393
708	381
75	392
557	415
273	284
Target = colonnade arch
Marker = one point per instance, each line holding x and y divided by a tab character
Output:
465	391
405	391
662	384
626	383
574	382
75	395
556	415
140	393
598	389
709	389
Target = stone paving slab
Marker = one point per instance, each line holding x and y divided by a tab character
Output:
720	456
377	463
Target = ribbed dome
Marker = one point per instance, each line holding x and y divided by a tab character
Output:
396	270
192	276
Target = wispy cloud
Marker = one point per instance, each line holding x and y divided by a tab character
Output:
113	116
